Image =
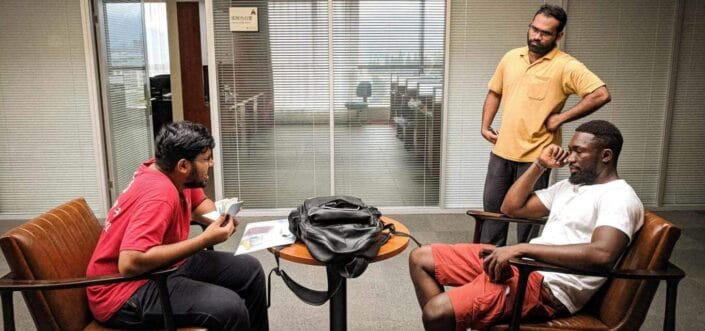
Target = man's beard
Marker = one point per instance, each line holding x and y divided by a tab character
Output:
193	181
580	177
540	49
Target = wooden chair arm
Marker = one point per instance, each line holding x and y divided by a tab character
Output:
671	272
482	216
9	284
485	215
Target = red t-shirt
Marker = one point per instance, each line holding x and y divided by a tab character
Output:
148	213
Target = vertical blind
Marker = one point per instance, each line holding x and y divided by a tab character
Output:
127	110
387	153
275	101
480	33
46	138
685	182
630	48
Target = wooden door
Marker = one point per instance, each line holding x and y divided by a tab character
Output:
192	80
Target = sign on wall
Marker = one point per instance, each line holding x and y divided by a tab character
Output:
243	19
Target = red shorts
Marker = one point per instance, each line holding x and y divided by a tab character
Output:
477	302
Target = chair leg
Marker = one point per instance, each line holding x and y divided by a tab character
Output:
8	311
166	304
478	230
519	300
669	322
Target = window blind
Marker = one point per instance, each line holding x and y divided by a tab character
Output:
389	152
47	153
129	120
630	48
685	182
259	155
275	101
480	33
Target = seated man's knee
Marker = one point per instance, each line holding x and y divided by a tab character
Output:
255	266
226	312
438	314
234	308
249	262
421	256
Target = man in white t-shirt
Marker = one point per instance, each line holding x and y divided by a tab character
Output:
592	217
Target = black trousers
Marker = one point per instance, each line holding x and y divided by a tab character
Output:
217	290
501	174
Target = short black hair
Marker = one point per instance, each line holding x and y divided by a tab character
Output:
181	140
606	134
556	12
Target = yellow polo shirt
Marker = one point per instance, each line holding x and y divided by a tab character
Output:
530	93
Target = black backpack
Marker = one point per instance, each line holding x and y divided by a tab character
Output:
342	232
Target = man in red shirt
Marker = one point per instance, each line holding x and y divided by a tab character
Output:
147	228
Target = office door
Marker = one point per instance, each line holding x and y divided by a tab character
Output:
125	88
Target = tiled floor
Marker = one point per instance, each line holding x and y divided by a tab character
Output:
383	298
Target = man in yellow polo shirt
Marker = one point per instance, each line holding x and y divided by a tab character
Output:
532	84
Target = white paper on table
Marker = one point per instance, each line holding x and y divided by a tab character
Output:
261	235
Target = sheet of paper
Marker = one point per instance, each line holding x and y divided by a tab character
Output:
212	215
261	235
232	205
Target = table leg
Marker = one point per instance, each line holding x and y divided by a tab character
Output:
338	302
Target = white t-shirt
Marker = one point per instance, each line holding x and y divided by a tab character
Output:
576	210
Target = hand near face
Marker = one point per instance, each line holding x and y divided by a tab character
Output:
553	156
496	262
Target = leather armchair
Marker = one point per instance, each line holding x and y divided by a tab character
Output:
48	257
622	302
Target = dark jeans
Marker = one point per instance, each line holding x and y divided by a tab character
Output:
217	290
501	174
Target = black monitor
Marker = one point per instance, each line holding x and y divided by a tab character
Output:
159	85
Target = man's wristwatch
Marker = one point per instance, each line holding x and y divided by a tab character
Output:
539	165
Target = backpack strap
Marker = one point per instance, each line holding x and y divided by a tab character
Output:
310	296
392	229
358	265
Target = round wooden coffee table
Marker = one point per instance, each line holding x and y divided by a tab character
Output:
298	253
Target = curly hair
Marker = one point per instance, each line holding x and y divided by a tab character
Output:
181	140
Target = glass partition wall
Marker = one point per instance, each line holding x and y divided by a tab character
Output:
340	97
